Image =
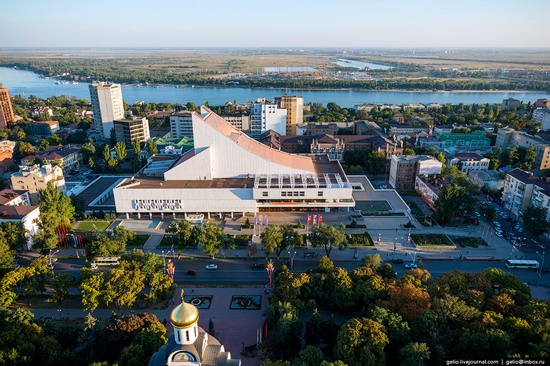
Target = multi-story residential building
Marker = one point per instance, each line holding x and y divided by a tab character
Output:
128	130
265	116
35	178
294	112
541	198
508	137
510	103
43	128
518	190
238	120
404	170
542	116
68	157
107	106
181	124
7	145
6	110
542	103
41	111
469	162
15	206
429	188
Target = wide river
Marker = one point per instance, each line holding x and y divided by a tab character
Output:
27	83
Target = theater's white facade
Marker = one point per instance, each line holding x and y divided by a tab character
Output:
228	172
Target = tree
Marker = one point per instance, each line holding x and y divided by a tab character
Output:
152	147
87	150
44	144
414	354
21	150
14	234
56	209
272	239
183	231
361	342
454	201
120	150
372	261
329	237
211	236
408	301
123	235
534	220
91	287
122	286
7	257
309	356
161	286
408	151
60	283
106	153
104	246
490	213
136	146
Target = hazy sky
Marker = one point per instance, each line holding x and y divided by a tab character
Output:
288	23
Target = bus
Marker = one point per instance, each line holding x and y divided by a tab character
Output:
104	261
513	263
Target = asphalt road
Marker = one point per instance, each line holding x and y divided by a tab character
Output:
238	271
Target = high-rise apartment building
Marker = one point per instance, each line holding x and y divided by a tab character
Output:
107	106
265	116
128	130
294	112
6	110
181	124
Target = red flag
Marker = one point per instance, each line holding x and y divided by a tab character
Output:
309	219
320	219
314	219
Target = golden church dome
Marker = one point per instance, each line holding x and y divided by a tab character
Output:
184	315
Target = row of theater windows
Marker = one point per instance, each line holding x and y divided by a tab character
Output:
293	194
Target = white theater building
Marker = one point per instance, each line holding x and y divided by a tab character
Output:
229	173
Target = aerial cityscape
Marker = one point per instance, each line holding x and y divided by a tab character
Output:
287	184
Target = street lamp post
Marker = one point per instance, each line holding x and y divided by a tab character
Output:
291	254
541	265
413	256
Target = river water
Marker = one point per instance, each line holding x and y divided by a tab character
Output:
27	83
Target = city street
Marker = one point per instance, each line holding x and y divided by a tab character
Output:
239	271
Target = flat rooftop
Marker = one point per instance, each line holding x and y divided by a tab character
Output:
145	182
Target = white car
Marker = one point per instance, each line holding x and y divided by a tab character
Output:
211	266
496	223
499	234
411	265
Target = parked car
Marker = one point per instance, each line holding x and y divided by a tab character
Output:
496	223
191	273
499	234
411	265
211	266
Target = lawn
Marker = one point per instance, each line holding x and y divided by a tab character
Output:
470	242
139	241
361	240
93	225
373	206
431	240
